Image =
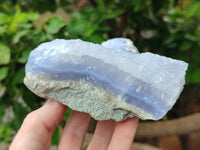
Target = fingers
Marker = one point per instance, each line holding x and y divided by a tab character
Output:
38	127
74	131
124	134
102	135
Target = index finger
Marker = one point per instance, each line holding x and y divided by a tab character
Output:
38	127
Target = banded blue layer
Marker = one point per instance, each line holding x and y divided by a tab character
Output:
100	74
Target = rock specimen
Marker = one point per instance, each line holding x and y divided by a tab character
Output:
109	81
120	44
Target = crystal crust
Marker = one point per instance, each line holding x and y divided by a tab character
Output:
109	81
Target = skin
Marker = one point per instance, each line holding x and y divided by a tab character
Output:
38	127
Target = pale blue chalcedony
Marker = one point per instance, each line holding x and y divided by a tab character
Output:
146	81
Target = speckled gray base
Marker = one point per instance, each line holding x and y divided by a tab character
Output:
84	97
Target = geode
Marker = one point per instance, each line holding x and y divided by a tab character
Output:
108	81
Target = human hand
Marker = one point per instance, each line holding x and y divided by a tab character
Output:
38	128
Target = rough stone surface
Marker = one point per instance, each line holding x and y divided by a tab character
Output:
120	44
107	82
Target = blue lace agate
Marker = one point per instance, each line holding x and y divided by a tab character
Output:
147	81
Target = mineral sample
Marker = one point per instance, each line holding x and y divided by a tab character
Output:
121	44
108	81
